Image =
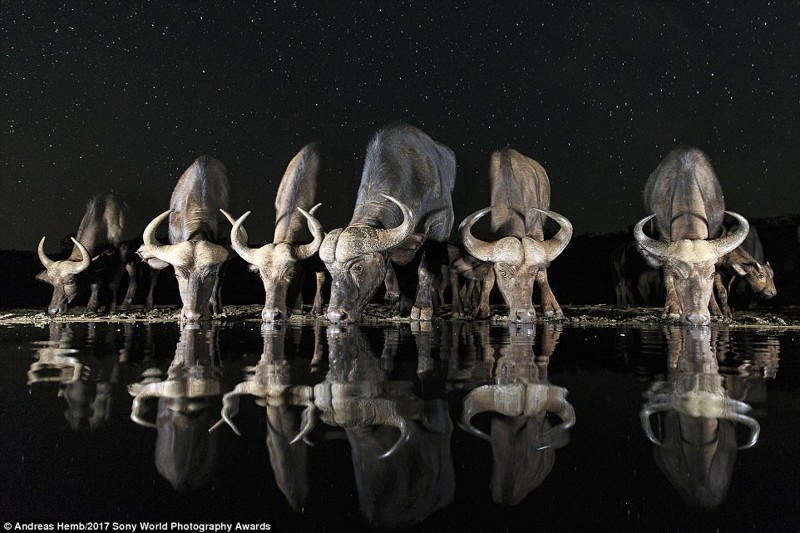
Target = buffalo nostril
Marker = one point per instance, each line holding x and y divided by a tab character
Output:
271	315
698	319
190	315
336	316
524	315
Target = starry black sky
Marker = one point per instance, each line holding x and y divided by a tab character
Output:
124	95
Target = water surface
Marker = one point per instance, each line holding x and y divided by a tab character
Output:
452	426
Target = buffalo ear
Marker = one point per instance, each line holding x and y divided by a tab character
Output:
739	269
650	259
404	253
471	267
42	276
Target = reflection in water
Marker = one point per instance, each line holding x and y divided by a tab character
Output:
391	394
187	407
86	382
697	445
269	381
522	437
403	478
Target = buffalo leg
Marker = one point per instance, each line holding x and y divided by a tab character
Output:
457	306
149	303
672	307
133	282
94	298
482	310
423	306
723	298
392	296
550	306
316	309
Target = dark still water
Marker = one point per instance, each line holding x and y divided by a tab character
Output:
454	426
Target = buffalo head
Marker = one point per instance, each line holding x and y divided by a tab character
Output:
197	264
690	264
516	261
356	258
276	261
62	276
760	277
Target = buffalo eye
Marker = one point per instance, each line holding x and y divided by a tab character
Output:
358	269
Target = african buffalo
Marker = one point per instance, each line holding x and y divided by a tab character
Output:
686	202
279	262
520	201
197	246
523	439
404	203
401	479
746	263
696	445
98	251
188	403
271	386
634	277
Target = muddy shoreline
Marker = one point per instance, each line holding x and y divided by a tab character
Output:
600	314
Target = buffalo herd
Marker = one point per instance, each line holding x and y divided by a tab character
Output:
689	248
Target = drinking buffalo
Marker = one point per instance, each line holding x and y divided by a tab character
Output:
745	262
696	446
686	200
195	235
404	203
279	261
520	200
98	251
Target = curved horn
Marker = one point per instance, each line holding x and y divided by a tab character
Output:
486	399
137	407
239	242
507	249
86	259
356	241
307	418
233	221
46	261
307	423
556	244
155	248
405	433
230	407
729	242
652	246
307	250
750	422
644	417
558	436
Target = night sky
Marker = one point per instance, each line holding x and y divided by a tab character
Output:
124	96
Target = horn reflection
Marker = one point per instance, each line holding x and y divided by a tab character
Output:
86	381
187	403
400	443
695	436
521	433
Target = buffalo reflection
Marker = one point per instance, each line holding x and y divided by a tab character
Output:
697	445
86	382
522	437
403	478
269	381
187	407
